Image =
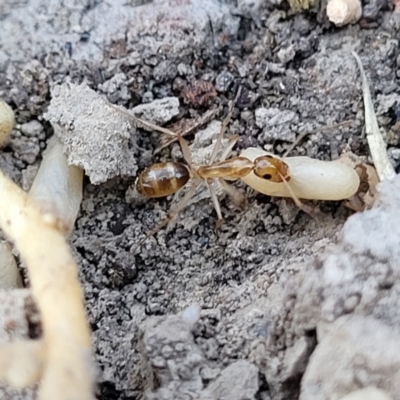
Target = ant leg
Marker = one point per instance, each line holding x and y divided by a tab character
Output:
307	209
185	147
216	205
223	128
172	213
232	141
238	197
204	119
187	154
143	122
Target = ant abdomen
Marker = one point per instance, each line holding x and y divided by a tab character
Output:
162	179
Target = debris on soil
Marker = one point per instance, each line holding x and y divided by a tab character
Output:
199	93
176	28
96	137
300	5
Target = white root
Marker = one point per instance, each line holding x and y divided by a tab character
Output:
344	12
67	371
21	362
310	179
57	187
10	277
7	120
377	145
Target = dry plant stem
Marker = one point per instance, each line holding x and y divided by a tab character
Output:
68	371
376	143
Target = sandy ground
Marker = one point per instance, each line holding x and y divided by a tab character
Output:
276	304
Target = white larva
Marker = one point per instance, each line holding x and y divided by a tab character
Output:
310	179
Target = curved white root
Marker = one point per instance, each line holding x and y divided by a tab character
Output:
67	370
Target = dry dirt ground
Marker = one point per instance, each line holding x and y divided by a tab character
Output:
276	304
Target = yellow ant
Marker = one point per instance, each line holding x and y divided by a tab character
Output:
295	177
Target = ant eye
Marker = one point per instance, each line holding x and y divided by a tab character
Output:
267	176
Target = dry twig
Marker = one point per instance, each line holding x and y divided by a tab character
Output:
376	143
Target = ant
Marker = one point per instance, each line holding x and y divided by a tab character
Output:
164	179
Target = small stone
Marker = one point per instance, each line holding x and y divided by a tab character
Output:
191	314
237	381
223	81
32	128
165	71
344	12
208	373
167	351
27	149
147	97
286	55
158	362
158	111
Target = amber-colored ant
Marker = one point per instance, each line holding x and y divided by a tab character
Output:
163	179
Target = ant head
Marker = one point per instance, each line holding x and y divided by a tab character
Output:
271	169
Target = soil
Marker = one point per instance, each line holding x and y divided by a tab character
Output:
236	312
